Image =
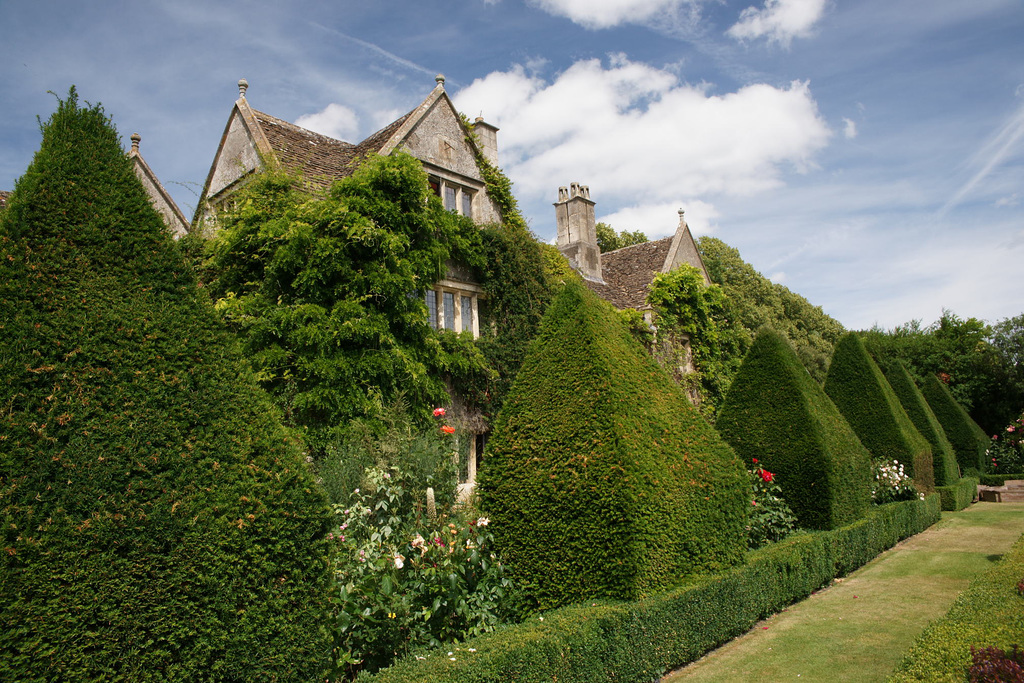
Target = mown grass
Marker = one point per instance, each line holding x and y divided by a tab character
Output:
860	627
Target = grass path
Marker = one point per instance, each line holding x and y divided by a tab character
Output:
859	628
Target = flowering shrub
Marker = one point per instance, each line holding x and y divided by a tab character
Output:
770	518
992	665
890	483
404	580
1006	452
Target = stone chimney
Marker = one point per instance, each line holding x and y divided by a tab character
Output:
577	235
487	136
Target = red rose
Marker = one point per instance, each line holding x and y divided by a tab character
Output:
767	476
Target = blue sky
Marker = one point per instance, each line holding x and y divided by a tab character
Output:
869	155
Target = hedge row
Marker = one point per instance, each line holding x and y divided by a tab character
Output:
777	414
990	613
998	479
919	412
958	496
863	395
640	641
601	478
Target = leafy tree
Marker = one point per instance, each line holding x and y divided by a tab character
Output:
755	302
975	362
609	240
326	293
159	524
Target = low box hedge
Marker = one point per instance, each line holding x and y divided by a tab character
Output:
998	479
990	613
960	495
642	640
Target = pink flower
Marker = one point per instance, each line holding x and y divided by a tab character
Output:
1010	428
447	429
439	412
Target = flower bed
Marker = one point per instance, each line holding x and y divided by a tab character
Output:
641	640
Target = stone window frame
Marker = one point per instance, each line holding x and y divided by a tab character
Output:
459	292
463	192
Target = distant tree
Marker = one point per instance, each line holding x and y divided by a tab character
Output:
756	302
609	240
975	361
159	524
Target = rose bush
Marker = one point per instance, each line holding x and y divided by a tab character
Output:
890	483
404	580
1006	453
770	519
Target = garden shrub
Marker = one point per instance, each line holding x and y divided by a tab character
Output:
863	395
159	524
777	414
890	483
600	477
919	412
959	495
408	576
770	518
990	613
968	439
998	479
637	642
1005	453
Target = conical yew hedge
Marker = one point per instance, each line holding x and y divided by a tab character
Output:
919	412
600	478
859	389
776	413
158	523
969	440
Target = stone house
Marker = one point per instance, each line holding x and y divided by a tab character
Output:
158	196
623	277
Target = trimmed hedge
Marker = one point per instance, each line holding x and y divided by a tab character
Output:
864	397
959	495
989	613
969	440
914	402
601	479
158	522
623	642
775	412
998	479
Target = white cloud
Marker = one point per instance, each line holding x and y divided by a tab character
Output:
658	220
1012	200
779	20
637	135
597	14
335	120
849	129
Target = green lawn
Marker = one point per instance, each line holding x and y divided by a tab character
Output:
859	628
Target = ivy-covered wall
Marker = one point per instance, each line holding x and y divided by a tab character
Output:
777	414
859	389
600	478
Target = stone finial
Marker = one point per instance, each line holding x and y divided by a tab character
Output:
243	85
681	212
136	139
440	79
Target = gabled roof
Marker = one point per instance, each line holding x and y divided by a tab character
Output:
253	139
158	195
629	272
